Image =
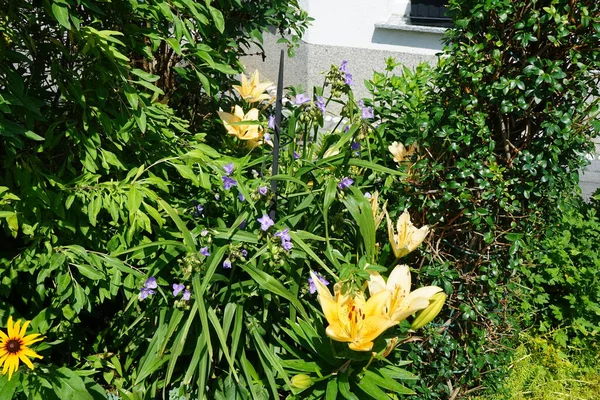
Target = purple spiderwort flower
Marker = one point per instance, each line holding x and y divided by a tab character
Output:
311	285
265	222
271	123
296	156
145	292
228	168
177	288
227	264
204	251
217	197
344	67
204	232
198	209
367	112
368	195
284	235
301	99
263	190
267	137
345	183
321	104
244	252
151	283
346	128
186	295
355	146
241	197
287	246
242	224
348	80
228	182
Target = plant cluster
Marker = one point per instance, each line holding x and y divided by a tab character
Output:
153	263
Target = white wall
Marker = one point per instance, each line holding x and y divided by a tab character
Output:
351	23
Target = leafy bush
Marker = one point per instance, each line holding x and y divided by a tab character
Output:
501	125
560	278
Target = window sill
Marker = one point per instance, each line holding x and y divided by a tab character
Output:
401	23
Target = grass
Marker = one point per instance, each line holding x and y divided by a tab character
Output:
542	371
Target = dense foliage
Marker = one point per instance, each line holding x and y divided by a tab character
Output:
502	124
561	278
146	233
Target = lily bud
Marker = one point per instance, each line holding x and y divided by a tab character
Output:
301	381
428	314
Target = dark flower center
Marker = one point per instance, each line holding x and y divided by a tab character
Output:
13	346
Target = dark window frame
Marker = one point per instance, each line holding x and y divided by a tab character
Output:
429	13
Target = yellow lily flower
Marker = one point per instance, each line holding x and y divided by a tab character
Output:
402	303
377	216
400	152
252	90
251	133
352	319
407	237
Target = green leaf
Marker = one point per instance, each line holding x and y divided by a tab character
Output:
387	383
61	13
332	390
273	285
89	271
218	18
7	388
344	386
69	386
188	239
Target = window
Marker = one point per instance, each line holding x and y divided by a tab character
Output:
429	12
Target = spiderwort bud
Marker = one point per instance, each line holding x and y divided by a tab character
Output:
427	315
301	381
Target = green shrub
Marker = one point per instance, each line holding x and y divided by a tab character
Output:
502	125
560	278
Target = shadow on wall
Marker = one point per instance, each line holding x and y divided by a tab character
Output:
423	40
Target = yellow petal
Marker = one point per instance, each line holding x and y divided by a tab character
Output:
330	309
361	346
251	115
391	235
372	327
33	338
13	366
409	306
24	328
338	333
26	361
17	329
30	353
398	151
417	237
376	283
3	336
375	305
400	277
10	328
6	360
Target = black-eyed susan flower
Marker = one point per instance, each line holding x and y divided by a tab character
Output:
15	347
